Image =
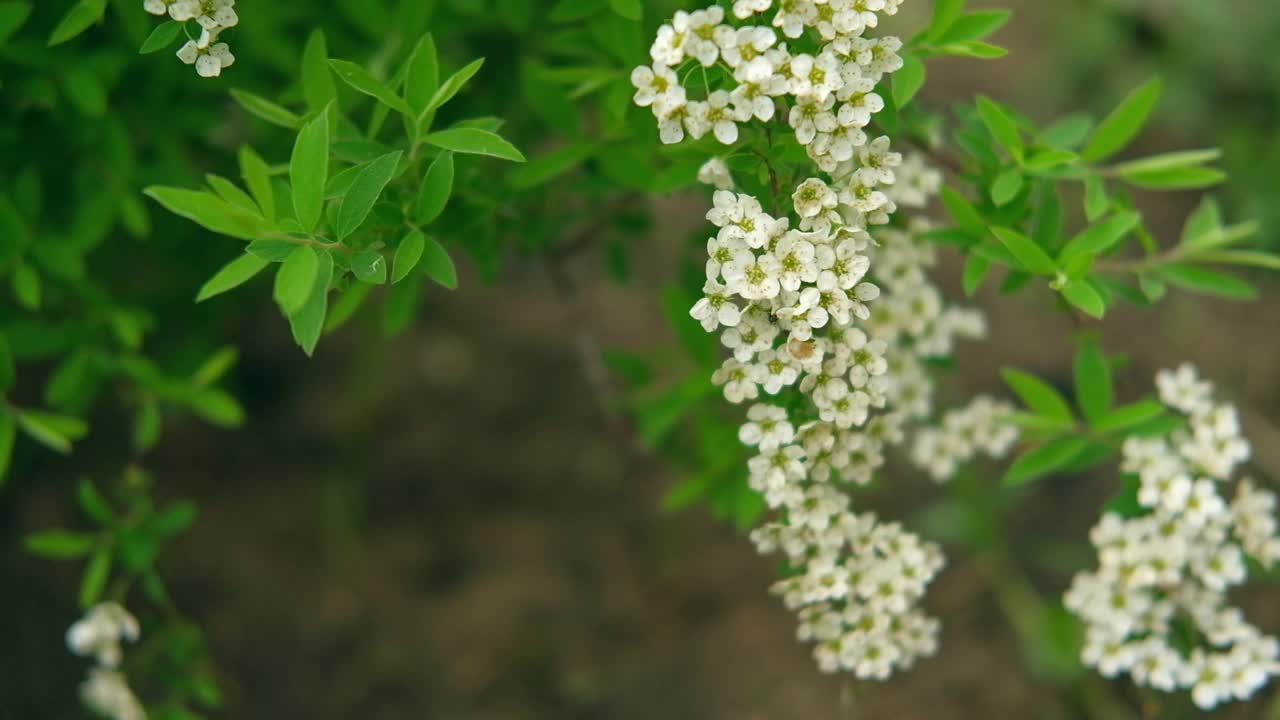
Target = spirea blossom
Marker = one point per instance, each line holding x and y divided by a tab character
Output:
100	634
1156	608
206	53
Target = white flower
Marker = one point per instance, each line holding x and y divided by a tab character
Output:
156	7
812	197
654	83
701	41
100	632
754	277
737	381
811	115
768	428
1183	390
721	116
794	15
714	172
209	61
715	308
746	53
797	257
107	693
668	47
878	162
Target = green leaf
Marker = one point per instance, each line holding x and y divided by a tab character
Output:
266	110
974	49
408	254
438	264
271	249
976	268
210	211
1203	223
7	370
27	286
1124	123
79	18
1207	282
1006	186
308	323
364	192
423	77
1083	296
945	14
215	366
453	84
13	15
162	37
1167	161
296	278
1044	459
1046	160
476	142
1096	201
257	177
317	82
436	188
55	432
1039	396
1094	389
8	434
1240	257
1029	255
309	170
369	266
174	519
230	192
93	504
1002	126
232	275
1068	132
974	26
217	407
1188	178
908	80
96	575
60	543
360	79
1100	237
629	9
964	213
1127	416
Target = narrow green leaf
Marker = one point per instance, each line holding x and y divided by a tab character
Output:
1044	459
1127	416
908	80
1001	125
976	268
266	110
1046	160
27	286
360	79
974	26
232	275
1167	161
162	37
364	192
1029	255
545	168
209	211
309	170
215	366
8	371
436	188
453	84
317	82
975	49
945	15
1251	258
629	9
231	193
1006	186
13	15
257	177
407	255
1068	132
476	142
438	264
60	543
964	213
217	407
296	278
1207	282
1188	178
1081	294
93	504
55	432
1096	201
96	575
1203	223
271	249
1124	123
1039	397
80	17
1094	389
423	78
308	323
1100	237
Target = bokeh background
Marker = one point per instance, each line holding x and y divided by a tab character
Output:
458	524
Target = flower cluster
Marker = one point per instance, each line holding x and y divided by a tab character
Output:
824	84
99	633
1156	607
979	427
795	307
213	16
